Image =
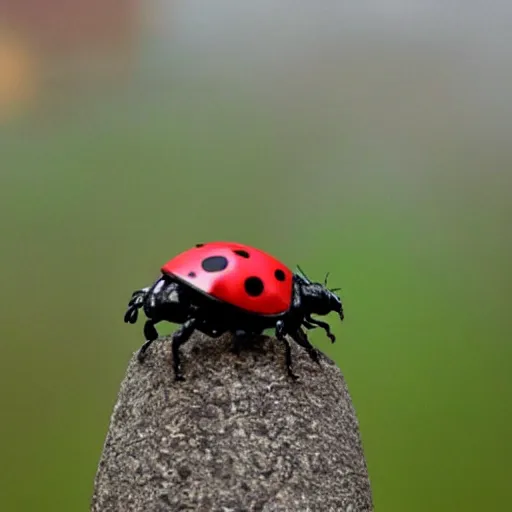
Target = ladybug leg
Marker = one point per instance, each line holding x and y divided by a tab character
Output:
239	339
324	325
308	325
300	337
181	336
281	336
280	330
288	358
151	334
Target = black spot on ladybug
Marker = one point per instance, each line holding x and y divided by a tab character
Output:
191	274
199	245
254	286
242	253
280	275
214	263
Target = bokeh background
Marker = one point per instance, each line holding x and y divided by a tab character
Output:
371	139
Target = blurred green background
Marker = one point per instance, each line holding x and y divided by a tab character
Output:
369	139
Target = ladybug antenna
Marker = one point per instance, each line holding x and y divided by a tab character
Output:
304	274
325	280
334	289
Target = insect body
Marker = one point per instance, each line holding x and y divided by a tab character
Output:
223	287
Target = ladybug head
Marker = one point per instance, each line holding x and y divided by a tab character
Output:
317	298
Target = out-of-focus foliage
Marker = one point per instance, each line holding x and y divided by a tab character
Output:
371	140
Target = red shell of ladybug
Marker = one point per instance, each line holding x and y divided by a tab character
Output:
238	274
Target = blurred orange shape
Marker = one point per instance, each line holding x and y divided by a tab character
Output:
17	76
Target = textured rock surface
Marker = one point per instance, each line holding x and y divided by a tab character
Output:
237	435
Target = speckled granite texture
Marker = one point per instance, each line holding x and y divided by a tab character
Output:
237	435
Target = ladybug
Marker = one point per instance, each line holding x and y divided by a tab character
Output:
223	287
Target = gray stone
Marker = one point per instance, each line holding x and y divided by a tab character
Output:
237	435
